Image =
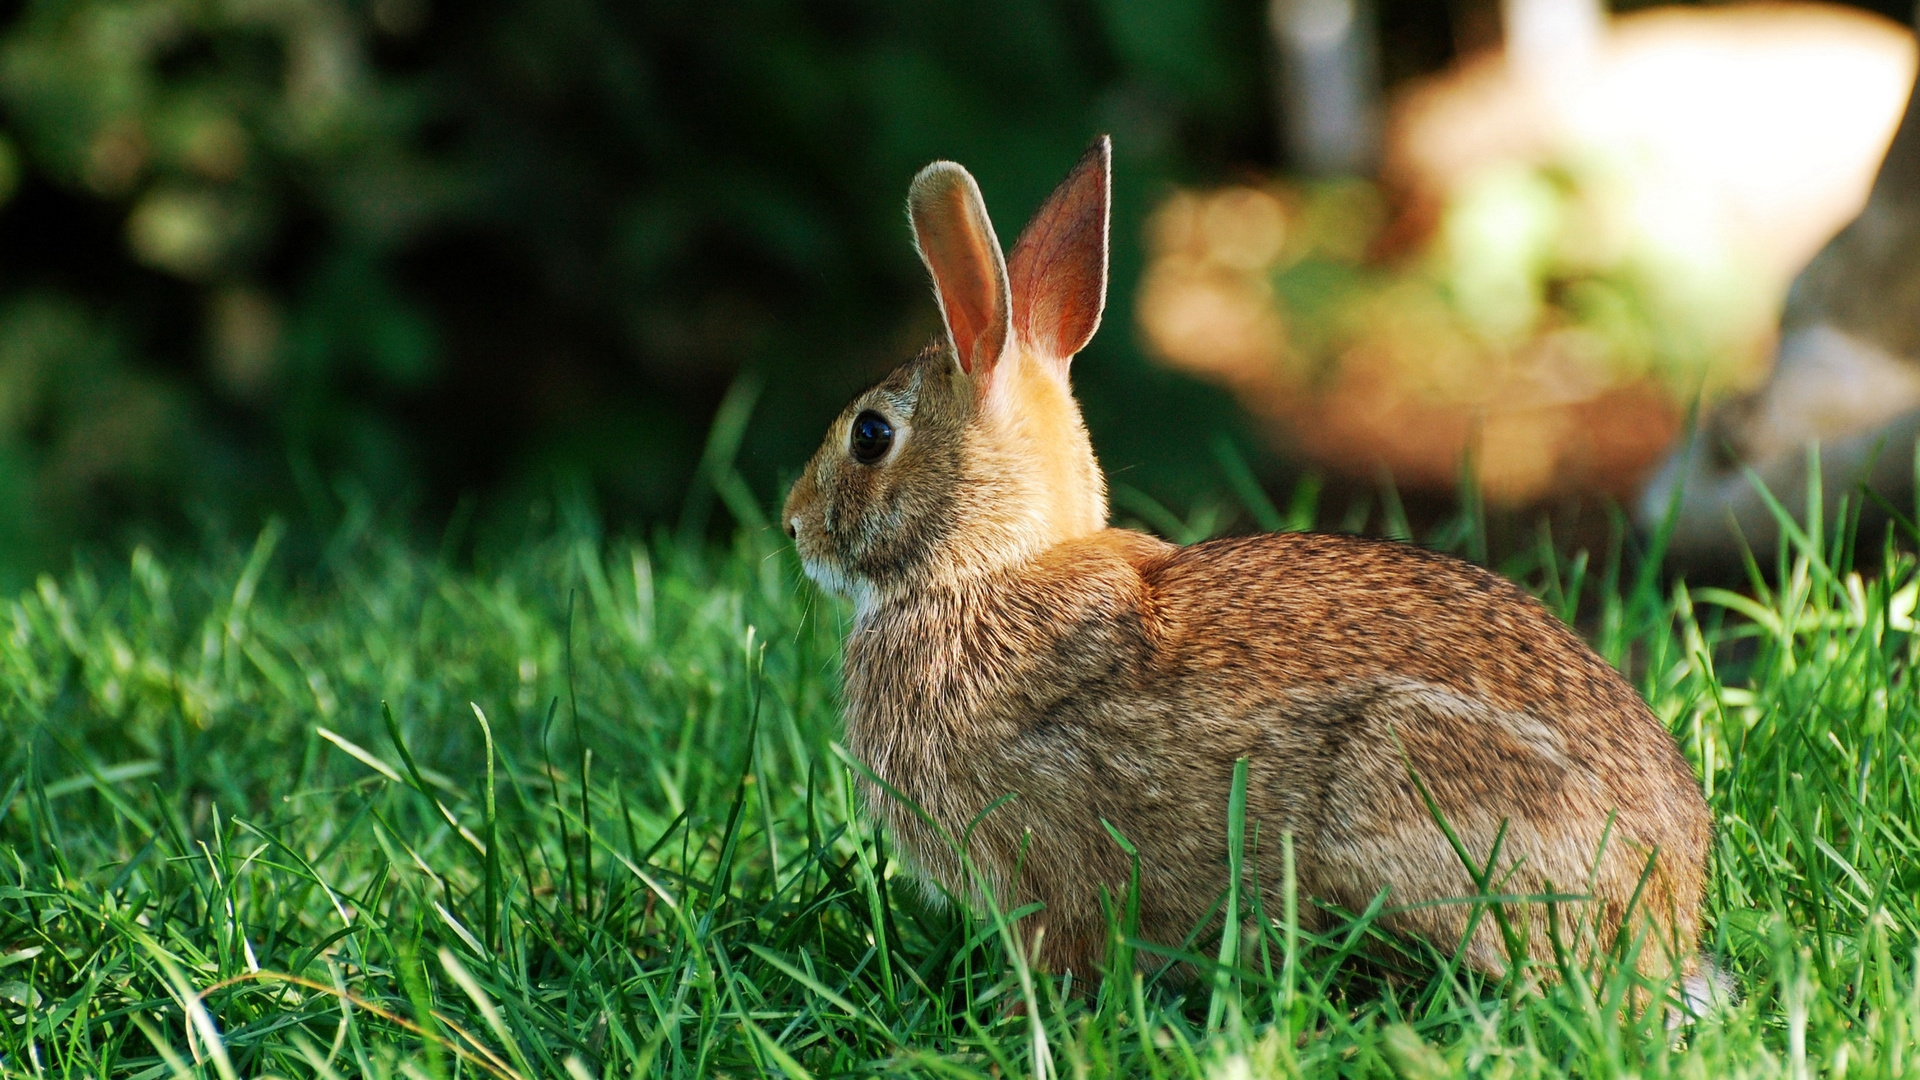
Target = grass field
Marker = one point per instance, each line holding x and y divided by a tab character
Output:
576	810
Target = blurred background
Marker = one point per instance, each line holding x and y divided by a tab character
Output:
457	261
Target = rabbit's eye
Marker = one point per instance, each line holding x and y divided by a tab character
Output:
872	436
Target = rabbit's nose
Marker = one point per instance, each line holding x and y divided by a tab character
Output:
793	528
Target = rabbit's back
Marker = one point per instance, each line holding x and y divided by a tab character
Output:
1306	610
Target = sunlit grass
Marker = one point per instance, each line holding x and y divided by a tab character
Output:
576	811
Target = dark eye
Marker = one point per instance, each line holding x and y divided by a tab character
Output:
872	435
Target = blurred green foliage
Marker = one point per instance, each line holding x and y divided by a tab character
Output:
254	250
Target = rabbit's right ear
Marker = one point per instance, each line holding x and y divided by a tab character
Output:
1059	264
956	241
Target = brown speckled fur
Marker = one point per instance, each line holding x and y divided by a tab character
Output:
1006	642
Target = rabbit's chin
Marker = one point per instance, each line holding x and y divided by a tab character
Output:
836	580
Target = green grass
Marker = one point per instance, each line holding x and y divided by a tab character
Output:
605	833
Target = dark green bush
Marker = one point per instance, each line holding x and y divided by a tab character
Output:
258	248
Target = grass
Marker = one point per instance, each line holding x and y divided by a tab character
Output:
576	811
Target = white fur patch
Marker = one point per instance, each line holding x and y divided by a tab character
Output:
837	581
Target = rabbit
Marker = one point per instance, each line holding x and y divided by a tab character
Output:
1006	642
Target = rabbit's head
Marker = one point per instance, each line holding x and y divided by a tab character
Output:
972	456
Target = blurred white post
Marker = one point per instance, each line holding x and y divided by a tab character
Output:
1551	41
1329	84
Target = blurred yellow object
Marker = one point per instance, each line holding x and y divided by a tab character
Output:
1573	257
1361	368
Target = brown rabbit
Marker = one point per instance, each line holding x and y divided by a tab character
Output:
1005	641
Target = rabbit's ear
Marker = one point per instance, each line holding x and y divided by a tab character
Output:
956	242
1059	265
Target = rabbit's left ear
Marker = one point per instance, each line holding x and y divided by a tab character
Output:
956	241
1058	271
